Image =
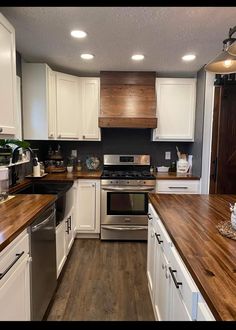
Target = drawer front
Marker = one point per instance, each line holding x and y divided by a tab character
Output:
187	289
178	186
13	254
163	238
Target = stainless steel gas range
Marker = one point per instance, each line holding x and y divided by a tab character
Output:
125	183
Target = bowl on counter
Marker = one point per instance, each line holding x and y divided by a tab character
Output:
162	169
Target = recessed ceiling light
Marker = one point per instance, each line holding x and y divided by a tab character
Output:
87	56
188	57
78	34
137	57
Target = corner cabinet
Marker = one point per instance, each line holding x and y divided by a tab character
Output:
176	103
88	207
59	106
39	101
8	98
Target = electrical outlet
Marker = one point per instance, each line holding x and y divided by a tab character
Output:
74	153
167	155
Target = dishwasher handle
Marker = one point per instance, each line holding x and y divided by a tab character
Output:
41	224
18	255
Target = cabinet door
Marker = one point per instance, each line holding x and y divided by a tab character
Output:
176	98
69	232
68	98
150	257
60	246
7	77
162	285
86	206
90	108
15	294
178	310
51	103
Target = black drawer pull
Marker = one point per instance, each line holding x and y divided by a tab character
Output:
69	222
157	237
149	216
172	271
18	255
178	187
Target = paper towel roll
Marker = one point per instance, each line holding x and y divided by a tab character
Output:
36	170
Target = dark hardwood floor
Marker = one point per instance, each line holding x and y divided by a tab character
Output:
103	281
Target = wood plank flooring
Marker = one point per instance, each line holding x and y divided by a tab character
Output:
103	281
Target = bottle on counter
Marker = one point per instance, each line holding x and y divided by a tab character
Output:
79	165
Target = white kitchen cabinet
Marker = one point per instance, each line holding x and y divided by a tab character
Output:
176	296
151	254
15	280
176	103
88	206
39	101
61	246
90	88
203	311
68	109
8	98
178	186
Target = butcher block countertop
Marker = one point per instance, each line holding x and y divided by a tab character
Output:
19	212
190	221
175	176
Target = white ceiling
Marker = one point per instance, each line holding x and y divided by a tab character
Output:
162	34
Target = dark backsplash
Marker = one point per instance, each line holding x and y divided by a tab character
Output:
117	141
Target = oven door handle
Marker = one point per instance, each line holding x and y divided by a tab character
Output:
125	227
131	189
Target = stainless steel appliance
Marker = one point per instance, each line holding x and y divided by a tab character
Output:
43	266
125	183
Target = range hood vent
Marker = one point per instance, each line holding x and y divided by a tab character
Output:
128	99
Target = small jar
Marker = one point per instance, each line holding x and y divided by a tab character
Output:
79	166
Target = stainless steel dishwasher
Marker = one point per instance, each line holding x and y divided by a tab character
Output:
43	266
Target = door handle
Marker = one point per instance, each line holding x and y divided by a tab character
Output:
157	237
172	273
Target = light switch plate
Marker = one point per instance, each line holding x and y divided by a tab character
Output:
74	153
167	155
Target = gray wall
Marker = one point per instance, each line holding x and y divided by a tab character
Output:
196	147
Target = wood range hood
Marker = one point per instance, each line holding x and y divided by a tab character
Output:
128	99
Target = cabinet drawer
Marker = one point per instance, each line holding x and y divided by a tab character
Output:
177	186
12	255
163	238
184	283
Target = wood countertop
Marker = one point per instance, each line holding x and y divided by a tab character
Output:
72	176
191	221
175	176
18	213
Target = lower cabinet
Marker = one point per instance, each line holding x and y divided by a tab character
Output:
15	280
64	240
88	207
174	294
178	186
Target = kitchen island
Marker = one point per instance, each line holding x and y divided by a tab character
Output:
190	221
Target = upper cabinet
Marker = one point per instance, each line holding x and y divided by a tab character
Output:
90	88
176	102
59	106
7	77
68	98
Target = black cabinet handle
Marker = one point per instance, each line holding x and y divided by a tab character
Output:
69	222
67	226
149	216
18	255
172	271
157	237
